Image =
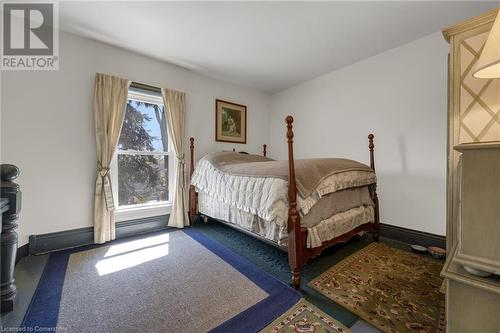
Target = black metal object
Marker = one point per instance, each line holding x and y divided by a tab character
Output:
10	207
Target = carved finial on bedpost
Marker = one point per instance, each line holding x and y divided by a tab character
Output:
264	150
292	191
294	232
289	126
371	146
192	191
191	149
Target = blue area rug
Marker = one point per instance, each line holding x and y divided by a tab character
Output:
43	311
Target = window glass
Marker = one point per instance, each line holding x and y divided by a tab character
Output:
144	127
142	179
142	160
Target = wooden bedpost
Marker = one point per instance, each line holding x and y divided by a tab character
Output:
294	235
264	150
192	192
376	227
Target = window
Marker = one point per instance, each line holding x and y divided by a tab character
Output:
143	163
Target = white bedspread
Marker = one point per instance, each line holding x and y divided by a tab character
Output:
264	197
267	197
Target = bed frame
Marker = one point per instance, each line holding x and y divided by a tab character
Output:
298	253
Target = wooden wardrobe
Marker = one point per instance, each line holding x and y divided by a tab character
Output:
473	193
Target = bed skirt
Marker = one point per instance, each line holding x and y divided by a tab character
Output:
323	231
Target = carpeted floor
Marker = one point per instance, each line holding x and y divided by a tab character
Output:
178	281
275	262
239	250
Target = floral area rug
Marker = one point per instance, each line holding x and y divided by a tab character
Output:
303	317
394	290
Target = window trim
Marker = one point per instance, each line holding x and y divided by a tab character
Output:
132	212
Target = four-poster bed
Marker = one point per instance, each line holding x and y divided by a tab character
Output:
300	243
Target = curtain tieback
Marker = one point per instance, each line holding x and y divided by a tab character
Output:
103	171
182	162
180	159
105	187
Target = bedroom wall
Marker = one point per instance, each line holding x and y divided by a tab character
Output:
401	97
47	126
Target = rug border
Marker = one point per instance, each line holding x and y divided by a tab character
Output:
281	297
49	291
362	315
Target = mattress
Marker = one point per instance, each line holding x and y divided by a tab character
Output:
326	229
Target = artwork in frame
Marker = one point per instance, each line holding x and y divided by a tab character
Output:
230	122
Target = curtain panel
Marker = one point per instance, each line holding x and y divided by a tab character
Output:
175	111
110	99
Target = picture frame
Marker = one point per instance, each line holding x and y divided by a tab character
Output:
230	122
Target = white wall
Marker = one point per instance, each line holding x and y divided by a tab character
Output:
401	97
47	126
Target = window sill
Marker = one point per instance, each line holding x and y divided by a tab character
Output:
126	214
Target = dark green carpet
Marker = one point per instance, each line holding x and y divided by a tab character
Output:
275	262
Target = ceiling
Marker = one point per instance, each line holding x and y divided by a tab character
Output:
268	46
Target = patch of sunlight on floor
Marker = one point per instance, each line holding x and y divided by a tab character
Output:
130	254
137	244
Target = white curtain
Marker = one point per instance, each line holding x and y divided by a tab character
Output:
175	111
110	99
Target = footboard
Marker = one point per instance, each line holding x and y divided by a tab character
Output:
298	253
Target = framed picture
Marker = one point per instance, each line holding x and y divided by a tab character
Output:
230	122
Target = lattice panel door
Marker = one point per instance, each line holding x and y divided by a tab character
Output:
479	98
